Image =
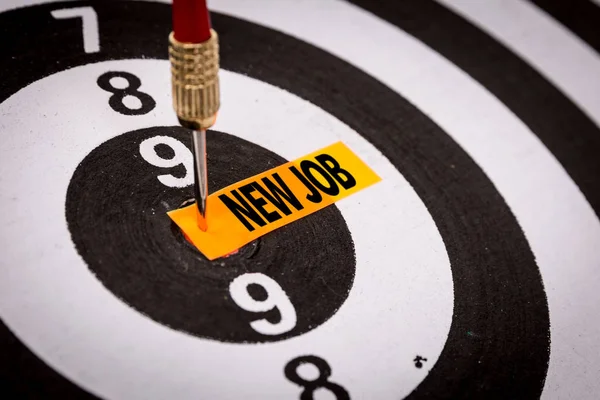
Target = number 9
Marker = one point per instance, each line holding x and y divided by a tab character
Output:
182	156
276	297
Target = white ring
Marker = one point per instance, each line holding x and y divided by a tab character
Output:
400	305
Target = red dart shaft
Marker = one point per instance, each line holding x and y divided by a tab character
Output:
191	23
194	55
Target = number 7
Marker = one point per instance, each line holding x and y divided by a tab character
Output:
91	37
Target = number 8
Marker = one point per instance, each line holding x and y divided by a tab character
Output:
276	297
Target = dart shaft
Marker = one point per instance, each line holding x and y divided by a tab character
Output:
201	175
195	81
191	23
194	56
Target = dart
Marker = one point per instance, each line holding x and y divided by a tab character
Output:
194	57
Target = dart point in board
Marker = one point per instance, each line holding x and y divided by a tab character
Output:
194	57
307	184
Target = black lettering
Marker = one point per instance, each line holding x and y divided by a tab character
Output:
277	195
334	169
240	210
331	190
259	202
314	195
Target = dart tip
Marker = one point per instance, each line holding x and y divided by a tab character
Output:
201	218
201	177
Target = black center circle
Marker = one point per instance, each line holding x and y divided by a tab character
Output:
116	212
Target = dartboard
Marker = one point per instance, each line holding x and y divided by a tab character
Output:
471	270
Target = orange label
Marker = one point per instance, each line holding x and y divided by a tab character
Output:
246	210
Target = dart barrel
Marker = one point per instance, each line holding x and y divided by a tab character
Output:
195	81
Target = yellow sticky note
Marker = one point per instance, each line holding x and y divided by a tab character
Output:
253	207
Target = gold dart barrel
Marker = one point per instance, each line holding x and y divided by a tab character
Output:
195	81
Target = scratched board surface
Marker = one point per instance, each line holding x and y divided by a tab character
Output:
469	271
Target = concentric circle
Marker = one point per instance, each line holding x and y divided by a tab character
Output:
418	290
116	208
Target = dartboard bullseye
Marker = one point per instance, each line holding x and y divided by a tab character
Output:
449	278
115	209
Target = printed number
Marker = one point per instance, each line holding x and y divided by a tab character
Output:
276	297
291	372
183	156
119	94
91	37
